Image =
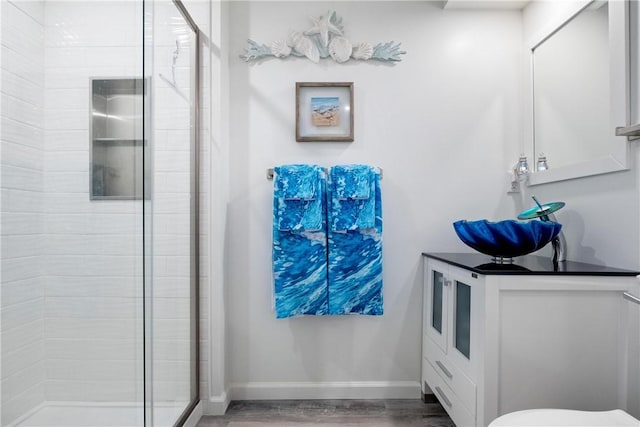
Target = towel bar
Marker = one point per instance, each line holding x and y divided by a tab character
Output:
270	173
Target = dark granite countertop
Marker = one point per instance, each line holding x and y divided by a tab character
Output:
526	265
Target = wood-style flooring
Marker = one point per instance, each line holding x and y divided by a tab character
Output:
331	413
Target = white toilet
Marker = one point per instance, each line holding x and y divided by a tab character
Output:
565	417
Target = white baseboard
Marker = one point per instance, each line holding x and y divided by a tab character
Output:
216	405
325	390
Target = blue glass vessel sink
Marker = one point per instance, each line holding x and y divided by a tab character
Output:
508	238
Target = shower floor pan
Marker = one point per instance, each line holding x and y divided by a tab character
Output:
99	415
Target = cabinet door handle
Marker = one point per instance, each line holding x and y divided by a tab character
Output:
631	297
444	369
447	282
444	397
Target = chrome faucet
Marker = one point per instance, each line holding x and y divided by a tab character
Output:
559	243
545	213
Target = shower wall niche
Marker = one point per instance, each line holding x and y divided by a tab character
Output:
117	139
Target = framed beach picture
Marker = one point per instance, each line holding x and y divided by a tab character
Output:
324	111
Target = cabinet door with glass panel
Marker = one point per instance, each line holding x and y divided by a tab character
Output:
435	321
450	305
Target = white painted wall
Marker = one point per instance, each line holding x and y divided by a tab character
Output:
21	153
441	124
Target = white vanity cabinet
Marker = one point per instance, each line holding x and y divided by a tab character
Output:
499	339
450	333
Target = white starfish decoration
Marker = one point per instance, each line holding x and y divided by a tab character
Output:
324	40
323	26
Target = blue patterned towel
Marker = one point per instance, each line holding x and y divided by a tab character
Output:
351	191
298	182
352	181
299	241
299	197
355	256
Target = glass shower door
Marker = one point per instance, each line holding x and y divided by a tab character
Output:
171	53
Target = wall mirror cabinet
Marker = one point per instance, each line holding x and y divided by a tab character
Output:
579	87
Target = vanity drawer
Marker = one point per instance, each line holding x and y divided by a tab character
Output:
449	400
450	374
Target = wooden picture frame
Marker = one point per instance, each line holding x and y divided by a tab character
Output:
324	111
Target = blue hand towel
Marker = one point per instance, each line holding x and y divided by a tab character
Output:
298	197
352	181
299	241
355	254
298	182
352	202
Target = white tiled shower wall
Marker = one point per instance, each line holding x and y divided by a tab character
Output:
22	205
93	255
71	267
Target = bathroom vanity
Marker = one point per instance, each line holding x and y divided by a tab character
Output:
499	338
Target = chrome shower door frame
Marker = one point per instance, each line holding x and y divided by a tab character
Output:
194	229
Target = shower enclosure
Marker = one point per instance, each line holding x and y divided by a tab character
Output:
99	177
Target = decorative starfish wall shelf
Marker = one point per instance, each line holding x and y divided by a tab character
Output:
323	40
